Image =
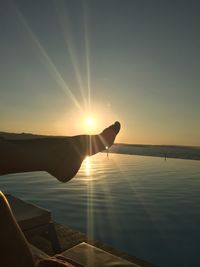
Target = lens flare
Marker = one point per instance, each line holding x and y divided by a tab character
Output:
90	123
87	166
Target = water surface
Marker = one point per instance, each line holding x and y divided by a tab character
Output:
145	206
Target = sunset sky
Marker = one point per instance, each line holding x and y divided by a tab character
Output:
72	67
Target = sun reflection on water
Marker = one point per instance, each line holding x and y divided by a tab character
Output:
87	166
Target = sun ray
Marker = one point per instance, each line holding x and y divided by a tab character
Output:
47	60
87	50
135	191
103	141
90	212
64	22
87	166
109	200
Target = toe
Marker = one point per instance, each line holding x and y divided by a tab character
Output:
116	127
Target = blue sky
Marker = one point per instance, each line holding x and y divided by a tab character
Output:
133	61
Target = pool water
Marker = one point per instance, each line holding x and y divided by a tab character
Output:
145	206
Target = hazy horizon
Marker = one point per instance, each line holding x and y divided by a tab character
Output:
74	67
115	143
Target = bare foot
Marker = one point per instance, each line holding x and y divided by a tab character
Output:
71	151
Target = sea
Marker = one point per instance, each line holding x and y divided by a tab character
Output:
148	207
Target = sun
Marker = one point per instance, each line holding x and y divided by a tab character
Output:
90	123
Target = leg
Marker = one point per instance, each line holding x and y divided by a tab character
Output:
66	165
61	157
14	250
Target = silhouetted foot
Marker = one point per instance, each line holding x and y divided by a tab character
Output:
71	151
108	135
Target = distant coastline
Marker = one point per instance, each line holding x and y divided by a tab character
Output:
165	151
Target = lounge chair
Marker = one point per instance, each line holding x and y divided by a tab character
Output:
87	255
90	256
33	220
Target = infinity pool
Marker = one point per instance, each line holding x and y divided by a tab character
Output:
145	206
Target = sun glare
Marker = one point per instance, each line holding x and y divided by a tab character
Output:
87	166
90	123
